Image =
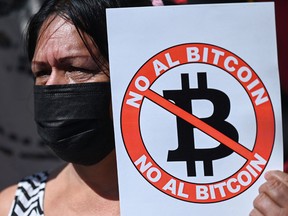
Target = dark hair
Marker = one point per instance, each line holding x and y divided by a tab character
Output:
88	16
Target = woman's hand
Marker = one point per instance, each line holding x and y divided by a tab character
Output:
273	196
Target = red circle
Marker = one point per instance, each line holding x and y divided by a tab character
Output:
135	147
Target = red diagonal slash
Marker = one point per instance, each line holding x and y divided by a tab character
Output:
222	138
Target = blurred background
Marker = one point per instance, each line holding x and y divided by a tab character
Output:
21	151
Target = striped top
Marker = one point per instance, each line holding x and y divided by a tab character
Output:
29	196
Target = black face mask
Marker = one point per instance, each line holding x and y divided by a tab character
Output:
74	120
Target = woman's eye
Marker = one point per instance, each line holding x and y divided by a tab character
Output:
79	75
81	70
41	73
66	74
41	77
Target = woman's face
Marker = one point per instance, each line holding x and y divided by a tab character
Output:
62	58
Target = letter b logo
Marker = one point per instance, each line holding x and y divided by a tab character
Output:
186	150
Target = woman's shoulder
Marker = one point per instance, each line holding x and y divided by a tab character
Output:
23	192
6	199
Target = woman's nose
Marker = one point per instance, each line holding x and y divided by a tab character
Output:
57	77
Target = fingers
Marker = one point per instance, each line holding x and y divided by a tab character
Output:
255	212
273	196
266	206
282	176
276	187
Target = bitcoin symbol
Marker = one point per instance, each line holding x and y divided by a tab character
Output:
186	150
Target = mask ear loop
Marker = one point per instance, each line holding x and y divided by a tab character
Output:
157	3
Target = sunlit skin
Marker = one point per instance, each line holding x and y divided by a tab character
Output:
61	57
272	199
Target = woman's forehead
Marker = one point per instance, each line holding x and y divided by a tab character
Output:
59	39
55	25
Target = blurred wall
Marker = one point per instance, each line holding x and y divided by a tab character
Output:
21	151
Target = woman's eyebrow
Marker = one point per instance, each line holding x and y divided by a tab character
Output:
69	59
38	63
62	60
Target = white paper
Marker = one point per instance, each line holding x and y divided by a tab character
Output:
228	51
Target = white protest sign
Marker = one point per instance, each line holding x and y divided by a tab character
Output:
196	106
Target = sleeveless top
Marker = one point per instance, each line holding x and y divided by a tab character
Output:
29	196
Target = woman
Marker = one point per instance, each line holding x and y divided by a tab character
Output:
67	44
